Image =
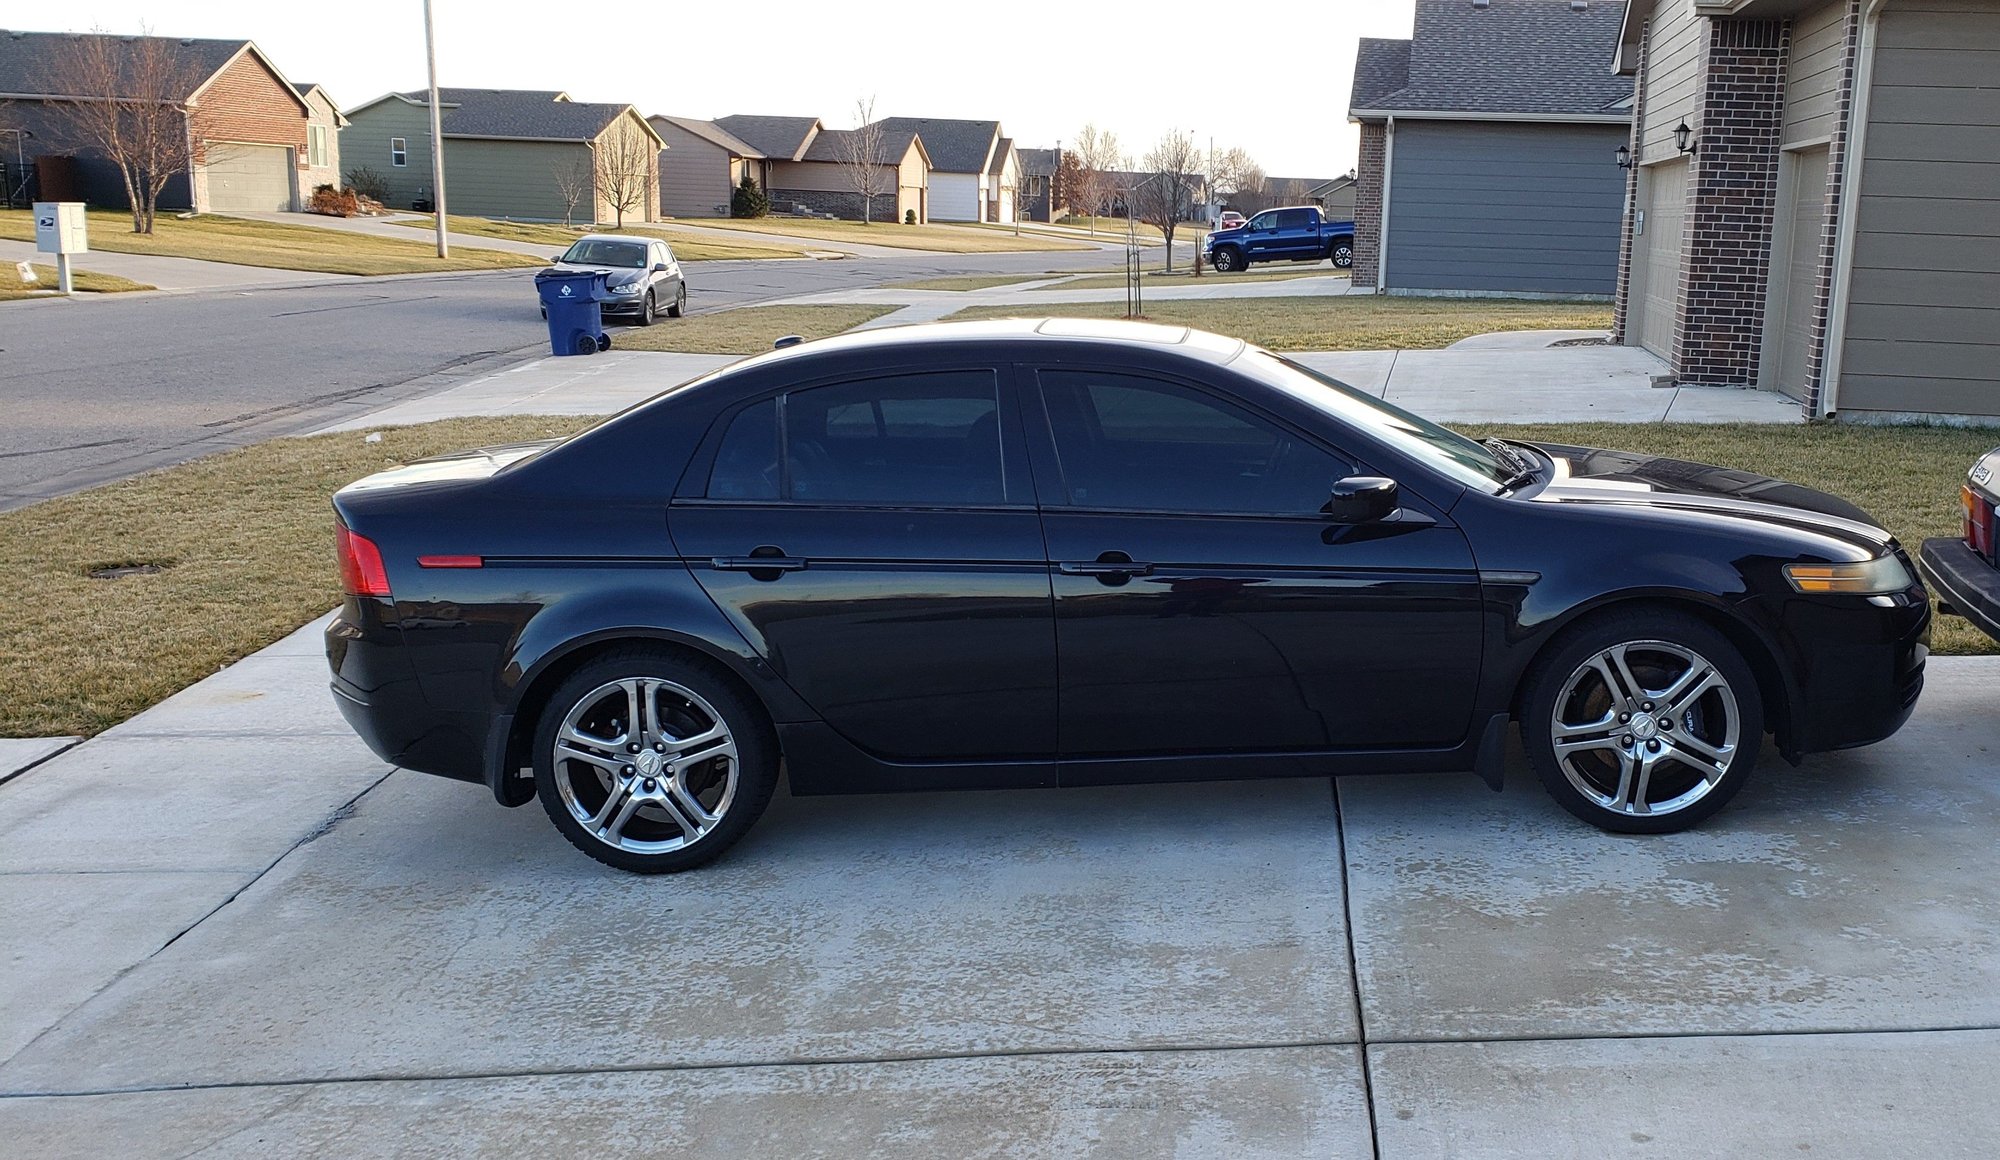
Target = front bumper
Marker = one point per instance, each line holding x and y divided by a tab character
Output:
1966	584
1860	667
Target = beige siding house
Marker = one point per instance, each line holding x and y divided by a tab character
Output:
1814	206
707	164
507	153
805	165
322	156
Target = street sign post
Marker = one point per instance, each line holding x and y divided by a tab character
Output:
59	230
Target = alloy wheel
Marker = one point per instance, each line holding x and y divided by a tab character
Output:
645	765
1646	728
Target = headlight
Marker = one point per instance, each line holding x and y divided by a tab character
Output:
627	288
1877	577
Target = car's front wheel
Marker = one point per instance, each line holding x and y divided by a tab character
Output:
1643	722
1228	260
652	762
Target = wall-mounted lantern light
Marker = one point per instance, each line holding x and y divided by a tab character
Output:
1684	138
1624	157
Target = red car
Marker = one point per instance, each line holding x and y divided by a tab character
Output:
1229	220
1965	572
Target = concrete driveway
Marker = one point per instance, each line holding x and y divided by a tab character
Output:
232	931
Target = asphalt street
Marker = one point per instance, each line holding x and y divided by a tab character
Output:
104	387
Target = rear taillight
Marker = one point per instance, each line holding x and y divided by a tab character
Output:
361	570
1979	518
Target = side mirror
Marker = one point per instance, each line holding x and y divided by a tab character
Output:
1361	499
659	267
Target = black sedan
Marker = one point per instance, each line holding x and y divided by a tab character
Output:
645	279
1001	554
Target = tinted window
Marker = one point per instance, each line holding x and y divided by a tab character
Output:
746	465
1129	442
913	439
1294	219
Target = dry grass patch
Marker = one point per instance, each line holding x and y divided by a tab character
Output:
1342	322
937	238
1906	477
245	541
244	242
749	330
967	282
82	281
688	247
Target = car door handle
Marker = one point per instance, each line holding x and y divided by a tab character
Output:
757	563
1104	568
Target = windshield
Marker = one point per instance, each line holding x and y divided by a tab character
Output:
1450	453
598	252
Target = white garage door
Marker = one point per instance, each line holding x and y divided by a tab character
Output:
1656	253
254	177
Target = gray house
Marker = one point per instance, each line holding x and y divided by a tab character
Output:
1488	141
706	164
1816	200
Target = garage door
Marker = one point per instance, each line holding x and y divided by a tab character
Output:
252	177
1793	303
1656	256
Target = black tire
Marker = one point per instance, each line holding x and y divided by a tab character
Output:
680	304
1623	769
647	312
1341	253
585	344
1229	260
688	693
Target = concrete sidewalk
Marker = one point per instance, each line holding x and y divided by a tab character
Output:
1566	384
292	950
173	273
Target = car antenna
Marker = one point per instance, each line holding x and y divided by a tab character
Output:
788	340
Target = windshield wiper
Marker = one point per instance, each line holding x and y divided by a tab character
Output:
1522	469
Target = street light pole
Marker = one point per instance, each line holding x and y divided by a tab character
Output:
437	135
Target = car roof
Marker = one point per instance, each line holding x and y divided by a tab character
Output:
1026	332
615	238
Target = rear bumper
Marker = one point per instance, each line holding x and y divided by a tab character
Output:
1965	584
377	691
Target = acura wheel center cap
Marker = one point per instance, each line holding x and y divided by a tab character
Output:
649	763
1644	727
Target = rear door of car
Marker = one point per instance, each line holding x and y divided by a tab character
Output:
875	538
1298	235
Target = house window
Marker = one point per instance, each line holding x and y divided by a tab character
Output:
399	152
316	146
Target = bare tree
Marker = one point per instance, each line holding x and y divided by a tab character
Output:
573	184
1235	171
1097	158
861	158
624	168
132	105
1166	195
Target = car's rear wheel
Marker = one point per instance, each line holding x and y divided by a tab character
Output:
647	312
1643	723
680	304
652	762
1227	260
1342	254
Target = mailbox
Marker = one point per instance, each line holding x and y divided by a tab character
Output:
59	228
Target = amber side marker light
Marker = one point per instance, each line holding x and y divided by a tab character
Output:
1877	577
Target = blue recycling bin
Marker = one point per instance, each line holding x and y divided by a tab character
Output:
573	301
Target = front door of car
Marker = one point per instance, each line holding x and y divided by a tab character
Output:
876	540
1206	604
1260	236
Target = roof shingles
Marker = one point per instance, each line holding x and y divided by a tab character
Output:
1542	57
954	146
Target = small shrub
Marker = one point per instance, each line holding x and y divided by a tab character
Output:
909	217
334	202
748	201
368	183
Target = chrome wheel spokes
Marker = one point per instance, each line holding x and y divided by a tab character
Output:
1645	728
645	765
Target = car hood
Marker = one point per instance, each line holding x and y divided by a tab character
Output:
1591	475
1229	234
480	463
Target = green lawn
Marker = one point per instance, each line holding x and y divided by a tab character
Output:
941	239
280	247
81	281
688	247
1342	322
78	655
967	282
749	330
1180	277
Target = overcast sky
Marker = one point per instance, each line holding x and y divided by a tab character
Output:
1278	87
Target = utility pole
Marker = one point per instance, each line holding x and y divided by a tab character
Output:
437	135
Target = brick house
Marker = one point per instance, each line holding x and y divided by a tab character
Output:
322	137
1488	141
507	151
805	165
1815	200
254	148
